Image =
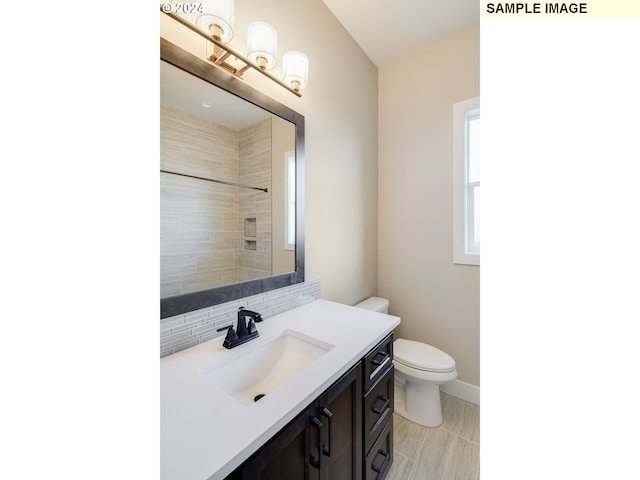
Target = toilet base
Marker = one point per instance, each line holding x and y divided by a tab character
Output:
419	403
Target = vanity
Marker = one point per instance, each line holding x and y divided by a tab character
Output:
331	419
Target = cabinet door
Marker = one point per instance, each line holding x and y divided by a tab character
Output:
290	454
340	411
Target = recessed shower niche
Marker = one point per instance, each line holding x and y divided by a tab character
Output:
249	227
250	233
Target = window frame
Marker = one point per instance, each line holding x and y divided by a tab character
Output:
462	199
289	200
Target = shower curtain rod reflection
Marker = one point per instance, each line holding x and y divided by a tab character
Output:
216	181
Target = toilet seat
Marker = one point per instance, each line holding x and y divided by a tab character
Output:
422	357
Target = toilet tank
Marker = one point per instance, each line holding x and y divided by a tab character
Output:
376	304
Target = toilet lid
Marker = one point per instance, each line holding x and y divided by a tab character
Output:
421	356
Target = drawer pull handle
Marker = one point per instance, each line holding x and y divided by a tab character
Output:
381	468
315	461
385	356
384	405
327	413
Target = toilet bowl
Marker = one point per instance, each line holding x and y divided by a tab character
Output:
420	369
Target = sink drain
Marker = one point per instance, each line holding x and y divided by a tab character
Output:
258	397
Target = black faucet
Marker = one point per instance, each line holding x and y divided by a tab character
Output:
244	331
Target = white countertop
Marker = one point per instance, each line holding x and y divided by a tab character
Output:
206	434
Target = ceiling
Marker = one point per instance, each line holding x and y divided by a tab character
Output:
186	92
387	30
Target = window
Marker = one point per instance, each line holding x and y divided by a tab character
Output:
466	177
290	201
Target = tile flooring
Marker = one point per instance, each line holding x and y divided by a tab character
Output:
448	452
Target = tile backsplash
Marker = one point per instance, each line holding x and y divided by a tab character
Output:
189	329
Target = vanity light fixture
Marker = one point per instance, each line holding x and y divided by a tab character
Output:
295	70
217	19
215	25
262	45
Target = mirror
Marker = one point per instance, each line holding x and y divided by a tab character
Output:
232	187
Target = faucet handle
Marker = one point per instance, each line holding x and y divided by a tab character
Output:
230	338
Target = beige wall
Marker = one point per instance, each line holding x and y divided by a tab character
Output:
439	302
340	109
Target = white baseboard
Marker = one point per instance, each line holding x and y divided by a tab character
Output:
465	391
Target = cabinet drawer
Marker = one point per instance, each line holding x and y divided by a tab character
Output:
378	361
378	408
380	458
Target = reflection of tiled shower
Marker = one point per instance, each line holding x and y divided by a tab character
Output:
202	241
254	160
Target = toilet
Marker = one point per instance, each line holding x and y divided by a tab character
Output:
420	369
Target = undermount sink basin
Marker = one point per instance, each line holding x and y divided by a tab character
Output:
247	376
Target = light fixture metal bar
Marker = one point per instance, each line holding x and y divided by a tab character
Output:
222	58
243	69
231	51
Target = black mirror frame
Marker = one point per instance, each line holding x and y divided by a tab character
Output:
188	302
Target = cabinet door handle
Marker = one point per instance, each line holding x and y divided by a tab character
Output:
327	413
381	468
315	461
385	355
384	405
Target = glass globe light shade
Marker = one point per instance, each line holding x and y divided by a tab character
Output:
295	69
217	19
262	45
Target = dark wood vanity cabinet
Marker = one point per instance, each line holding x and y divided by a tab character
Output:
377	411
284	456
341	411
345	434
379	460
321	443
377	362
